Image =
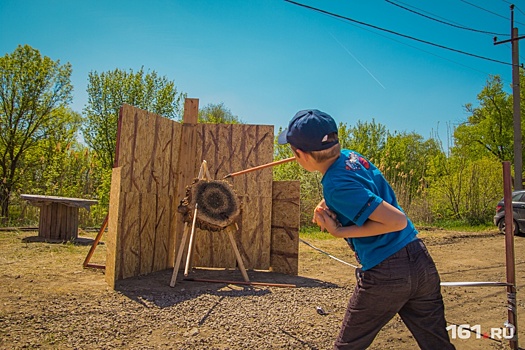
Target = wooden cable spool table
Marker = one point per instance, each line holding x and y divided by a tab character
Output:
58	215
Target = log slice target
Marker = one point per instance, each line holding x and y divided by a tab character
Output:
217	204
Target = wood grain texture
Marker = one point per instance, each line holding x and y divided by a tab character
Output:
157	159
113	234
284	255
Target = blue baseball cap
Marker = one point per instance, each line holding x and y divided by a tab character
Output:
308	131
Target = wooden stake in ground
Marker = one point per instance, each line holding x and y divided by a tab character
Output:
190	247
94	246
179	255
237	254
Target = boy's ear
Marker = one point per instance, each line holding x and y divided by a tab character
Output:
299	153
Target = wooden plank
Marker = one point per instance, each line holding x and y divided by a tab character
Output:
284	253
175	232
113	236
162	232
187	165
72	221
129	229
61	231
126	146
162	155
67	223
55	229
232	147
42	223
149	144
74	217
212	249
146	235
191	111
39	200
256	148
144	151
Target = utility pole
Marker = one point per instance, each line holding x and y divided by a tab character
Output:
512	321
518	158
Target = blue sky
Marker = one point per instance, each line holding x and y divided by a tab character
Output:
267	59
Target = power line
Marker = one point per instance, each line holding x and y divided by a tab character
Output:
484	9
420	49
452	22
397	33
443	22
516	7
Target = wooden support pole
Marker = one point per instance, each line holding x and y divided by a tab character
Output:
512	322
284	285
237	254
179	255
94	246
190	246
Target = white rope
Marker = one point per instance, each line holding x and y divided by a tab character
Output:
476	284
445	284
331	256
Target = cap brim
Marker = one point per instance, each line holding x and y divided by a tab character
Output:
282	139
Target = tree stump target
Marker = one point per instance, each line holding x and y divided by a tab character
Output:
211	205
217	202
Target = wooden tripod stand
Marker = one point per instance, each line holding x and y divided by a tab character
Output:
204	174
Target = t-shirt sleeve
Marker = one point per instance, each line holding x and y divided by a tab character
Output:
356	204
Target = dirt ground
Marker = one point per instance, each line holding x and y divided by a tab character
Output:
48	301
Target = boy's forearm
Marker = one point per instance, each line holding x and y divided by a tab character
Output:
369	229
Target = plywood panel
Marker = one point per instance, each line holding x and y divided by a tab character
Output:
229	148
129	228
174	232
147	234
125	147
158	158
143	151
113	234
148	155
212	249
284	256
186	167
255	190
165	140
162	232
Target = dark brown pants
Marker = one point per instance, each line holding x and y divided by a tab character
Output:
407	283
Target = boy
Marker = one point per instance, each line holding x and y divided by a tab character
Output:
397	274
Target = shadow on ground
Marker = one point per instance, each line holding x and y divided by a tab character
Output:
155	288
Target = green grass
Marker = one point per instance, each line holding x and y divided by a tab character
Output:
315	233
459	225
452	225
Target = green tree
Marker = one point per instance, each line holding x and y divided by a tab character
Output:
466	189
217	114
108	91
32	89
53	160
367	138
405	163
489	128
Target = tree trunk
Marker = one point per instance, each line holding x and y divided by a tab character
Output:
4	204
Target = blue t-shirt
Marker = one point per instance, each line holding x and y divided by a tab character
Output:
353	188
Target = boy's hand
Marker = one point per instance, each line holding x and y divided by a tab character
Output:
324	218
323	207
